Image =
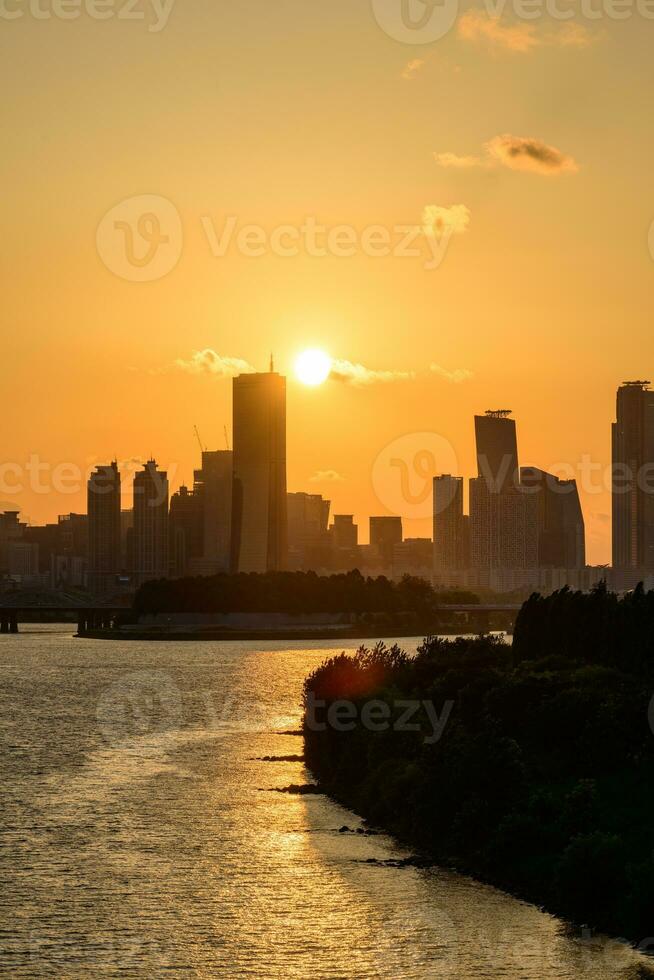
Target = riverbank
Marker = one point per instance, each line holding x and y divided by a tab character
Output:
186	635
497	791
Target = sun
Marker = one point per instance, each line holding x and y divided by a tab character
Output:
312	367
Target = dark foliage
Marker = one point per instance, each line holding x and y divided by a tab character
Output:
543	780
292	592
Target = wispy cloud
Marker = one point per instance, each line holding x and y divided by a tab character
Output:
516	153
477	25
456	377
326	476
438	221
461	163
412	68
207	361
527	153
480	26
360	376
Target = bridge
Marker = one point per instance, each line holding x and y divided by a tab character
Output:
513	607
92	612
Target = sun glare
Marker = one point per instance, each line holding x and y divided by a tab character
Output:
312	367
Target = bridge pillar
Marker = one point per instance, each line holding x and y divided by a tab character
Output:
4	624
13	622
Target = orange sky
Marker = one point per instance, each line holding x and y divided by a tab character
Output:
275	112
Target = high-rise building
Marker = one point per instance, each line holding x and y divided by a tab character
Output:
503	517
184	531
344	532
150	535
385	533
103	499
450	525
214	491
344	541
308	540
561	531
632	485
259	518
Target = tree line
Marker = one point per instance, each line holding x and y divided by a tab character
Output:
543	779
293	592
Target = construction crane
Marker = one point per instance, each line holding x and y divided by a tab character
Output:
203	449
226	437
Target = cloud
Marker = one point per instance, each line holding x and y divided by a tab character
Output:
573	35
208	362
326	476
360	376
439	221
412	69
463	163
478	25
516	153
455	377
527	153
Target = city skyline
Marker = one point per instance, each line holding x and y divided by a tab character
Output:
520	522
323	476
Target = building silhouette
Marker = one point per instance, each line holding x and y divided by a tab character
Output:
451	549
308	535
150	533
561	530
259	509
213	488
503	517
385	533
632	483
104	552
185	531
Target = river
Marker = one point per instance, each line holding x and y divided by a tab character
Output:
142	834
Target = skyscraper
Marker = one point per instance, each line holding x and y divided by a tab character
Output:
561	531
150	534
103	500
214	488
259	518
503	517
385	533
450	524
308	538
184	531
633	483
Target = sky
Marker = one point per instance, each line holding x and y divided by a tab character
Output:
514	153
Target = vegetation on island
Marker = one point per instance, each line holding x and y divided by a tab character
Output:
295	593
543	779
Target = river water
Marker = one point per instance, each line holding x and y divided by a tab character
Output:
142	835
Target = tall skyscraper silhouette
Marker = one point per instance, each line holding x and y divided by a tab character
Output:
633	479
561	530
503	517
451	547
103	501
214	488
259	512
150	524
